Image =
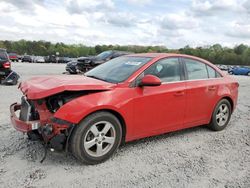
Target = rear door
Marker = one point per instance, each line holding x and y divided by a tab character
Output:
201	89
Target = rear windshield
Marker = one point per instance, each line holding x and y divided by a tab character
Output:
3	56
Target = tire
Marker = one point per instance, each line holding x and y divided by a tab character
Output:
34	135
248	74
231	73
221	115
96	138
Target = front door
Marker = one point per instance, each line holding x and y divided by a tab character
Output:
158	109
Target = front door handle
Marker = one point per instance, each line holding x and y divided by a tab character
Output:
179	93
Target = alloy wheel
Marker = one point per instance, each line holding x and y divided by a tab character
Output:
99	139
222	115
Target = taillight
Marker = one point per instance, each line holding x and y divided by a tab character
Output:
6	65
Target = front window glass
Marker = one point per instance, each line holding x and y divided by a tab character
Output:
195	69
168	70
119	69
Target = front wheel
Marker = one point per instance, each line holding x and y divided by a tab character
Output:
96	138
221	115
248	74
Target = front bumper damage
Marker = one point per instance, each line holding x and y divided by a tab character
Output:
52	131
20	125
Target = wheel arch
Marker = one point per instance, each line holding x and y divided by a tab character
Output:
113	112
120	118
223	97
230	101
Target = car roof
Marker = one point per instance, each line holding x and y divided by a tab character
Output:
158	55
121	51
165	55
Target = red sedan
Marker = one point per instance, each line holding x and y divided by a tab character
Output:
124	99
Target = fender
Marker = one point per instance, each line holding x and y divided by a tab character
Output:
227	92
230	90
75	110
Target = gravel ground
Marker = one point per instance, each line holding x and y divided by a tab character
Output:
195	157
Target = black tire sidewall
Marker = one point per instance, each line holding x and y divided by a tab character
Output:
81	131
214	125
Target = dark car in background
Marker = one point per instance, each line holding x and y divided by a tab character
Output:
50	59
5	65
71	67
63	60
86	63
27	58
13	56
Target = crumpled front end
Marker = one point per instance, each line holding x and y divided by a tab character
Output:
36	119
43	97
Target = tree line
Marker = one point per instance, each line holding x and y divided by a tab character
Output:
238	55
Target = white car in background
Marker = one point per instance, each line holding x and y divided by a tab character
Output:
39	59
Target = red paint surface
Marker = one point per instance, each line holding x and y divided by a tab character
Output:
146	111
41	87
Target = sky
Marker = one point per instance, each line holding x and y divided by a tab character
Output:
170	23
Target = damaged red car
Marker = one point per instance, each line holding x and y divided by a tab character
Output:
124	99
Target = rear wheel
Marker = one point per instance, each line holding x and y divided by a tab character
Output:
96	138
231	72
221	115
248	74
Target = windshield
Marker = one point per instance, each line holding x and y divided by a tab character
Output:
104	55
119	69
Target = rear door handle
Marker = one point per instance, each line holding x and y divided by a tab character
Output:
211	88
179	93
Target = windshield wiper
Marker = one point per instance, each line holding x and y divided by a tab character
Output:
95	77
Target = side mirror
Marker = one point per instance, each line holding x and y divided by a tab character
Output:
150	80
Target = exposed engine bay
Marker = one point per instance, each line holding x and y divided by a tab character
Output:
54	102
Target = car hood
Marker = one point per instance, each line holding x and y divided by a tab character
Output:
90	59
71	63
41	87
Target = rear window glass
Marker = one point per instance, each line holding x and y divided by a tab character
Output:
12	54
3	55
195	69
